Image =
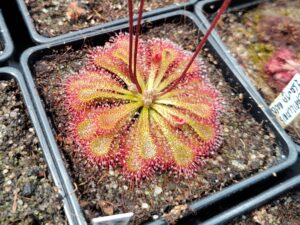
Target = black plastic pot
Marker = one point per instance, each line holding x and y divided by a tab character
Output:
253	203
253	102
205	9
39	39
7	41
8	73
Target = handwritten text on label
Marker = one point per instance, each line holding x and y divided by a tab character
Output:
286	107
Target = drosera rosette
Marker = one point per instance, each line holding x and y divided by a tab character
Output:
158	114
116	124
281	68
279	31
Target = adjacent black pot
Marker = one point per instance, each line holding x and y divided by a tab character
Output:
205	9
255	202
253	101
8	73
6	40
39	39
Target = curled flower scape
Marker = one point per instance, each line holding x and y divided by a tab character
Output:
143	132
282	67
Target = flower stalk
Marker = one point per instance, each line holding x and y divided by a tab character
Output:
200	45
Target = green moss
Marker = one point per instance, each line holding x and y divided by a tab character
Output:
255	16
259	53
284	12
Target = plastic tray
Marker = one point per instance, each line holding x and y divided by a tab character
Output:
258	108
5	37
39	39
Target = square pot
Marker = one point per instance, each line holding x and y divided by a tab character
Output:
39	38
251	100
254	203
205	10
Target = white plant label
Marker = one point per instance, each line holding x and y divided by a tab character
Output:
121	219
286	107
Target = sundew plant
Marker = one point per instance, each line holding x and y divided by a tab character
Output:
145	106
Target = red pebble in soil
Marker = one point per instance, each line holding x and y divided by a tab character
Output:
282	67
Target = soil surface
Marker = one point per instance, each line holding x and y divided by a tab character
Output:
1	46
27	193
240	32
52	18
247	148
285	211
